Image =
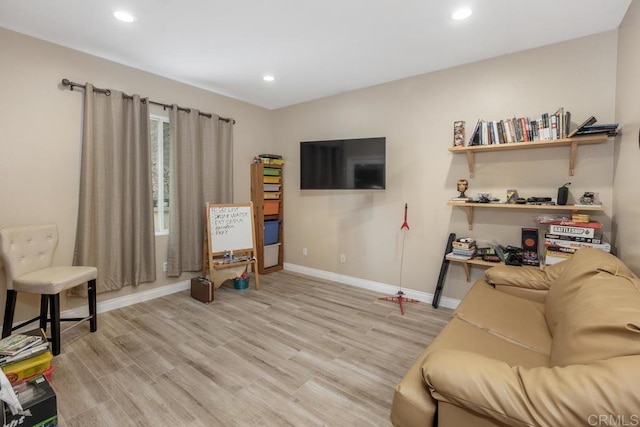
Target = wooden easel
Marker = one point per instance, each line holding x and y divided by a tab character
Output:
230	227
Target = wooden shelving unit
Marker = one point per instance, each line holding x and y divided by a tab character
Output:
261	215
469	208
573	143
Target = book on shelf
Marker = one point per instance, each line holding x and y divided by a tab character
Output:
606	247
573	231
573	238
554	255
586	224
591	120
465	252
611	129
452	255
463	245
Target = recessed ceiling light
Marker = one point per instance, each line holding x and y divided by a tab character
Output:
461	14
268	78
123	16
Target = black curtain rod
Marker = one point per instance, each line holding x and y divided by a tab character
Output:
67	82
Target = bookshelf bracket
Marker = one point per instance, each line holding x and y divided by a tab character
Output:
471	163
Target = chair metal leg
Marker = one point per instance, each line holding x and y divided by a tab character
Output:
93	312
44	312
54	309
9	310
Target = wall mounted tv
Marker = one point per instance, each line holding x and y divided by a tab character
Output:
343	164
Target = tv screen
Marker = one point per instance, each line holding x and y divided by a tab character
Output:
343	164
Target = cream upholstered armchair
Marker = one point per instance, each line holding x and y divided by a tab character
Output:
27	254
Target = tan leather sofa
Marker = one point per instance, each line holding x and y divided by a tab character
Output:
530	347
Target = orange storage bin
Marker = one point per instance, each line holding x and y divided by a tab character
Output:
271	207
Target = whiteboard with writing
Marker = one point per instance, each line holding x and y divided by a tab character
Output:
230	227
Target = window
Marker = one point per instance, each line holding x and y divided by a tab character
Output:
160	170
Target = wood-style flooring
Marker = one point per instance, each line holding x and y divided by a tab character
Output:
299	352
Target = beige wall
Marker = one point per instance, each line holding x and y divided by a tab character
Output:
627	158
39	163
416	115
40	134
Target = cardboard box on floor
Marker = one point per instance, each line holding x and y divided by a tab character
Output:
38	402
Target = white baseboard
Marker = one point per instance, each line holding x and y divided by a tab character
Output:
123	301
382	288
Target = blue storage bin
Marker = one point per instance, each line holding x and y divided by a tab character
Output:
271	229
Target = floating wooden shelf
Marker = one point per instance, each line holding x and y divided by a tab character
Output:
573	143
466	263
469	207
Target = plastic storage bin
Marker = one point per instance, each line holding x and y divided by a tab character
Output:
271	180
271	187
28	367
271	172
271	255
271	229
271	207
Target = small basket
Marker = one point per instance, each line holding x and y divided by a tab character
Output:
241	283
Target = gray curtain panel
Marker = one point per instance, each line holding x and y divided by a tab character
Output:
115	216
201	172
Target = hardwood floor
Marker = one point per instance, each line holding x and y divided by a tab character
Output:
300	352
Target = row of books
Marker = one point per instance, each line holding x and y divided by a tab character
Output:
566	237
547	127
523	129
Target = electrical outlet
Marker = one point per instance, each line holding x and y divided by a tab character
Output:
304	252
165	266
343	258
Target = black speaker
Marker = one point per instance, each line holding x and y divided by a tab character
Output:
563	194
530	246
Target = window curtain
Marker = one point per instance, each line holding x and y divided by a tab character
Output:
201	171
115	215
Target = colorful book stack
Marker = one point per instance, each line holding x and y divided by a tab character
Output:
547	127
566	237
25	355
464	248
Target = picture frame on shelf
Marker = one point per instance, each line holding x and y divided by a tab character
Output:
458	133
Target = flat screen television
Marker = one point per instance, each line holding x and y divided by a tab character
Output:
343	164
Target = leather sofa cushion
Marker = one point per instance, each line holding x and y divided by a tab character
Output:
413	406
602	322
524	277
585	264
517	320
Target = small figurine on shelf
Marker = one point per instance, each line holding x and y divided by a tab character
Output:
463	185
589	198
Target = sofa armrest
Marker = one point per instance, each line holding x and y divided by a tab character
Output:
524	277
570	395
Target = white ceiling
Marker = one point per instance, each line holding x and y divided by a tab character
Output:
313	48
